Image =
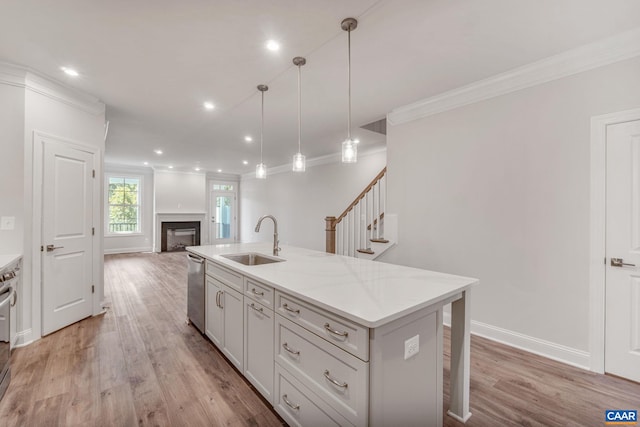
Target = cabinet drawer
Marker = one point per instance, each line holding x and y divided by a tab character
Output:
339	378
299	407
225	275
259	292
341	332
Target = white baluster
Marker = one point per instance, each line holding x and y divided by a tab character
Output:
356	229
339	238
383	189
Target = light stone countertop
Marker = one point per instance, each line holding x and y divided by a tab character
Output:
8	259
370	293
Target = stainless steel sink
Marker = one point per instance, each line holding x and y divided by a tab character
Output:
252	258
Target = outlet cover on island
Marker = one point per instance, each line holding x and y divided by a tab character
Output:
411	347
7	223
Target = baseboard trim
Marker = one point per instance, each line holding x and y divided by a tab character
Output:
127	250
560	353
24	338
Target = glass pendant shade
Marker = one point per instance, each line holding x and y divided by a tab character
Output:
299	162
261	171
349	151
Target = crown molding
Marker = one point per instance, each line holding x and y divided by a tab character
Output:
24	77
313	162
604	52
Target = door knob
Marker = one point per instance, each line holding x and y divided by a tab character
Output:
617	262
51	248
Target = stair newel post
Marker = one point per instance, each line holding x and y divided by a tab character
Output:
330	231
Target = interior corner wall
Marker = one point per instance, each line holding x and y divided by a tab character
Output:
142	242
301	201
499	190
12	170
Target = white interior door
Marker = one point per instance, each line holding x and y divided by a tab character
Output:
622	331
67	214
223	215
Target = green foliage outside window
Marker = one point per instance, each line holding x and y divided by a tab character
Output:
124	205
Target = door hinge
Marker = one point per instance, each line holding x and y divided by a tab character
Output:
93	173
42	249
93	231
93	289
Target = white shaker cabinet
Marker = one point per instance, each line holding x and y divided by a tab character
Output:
258	347
233	347
214	318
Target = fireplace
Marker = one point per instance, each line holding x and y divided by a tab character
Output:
177	235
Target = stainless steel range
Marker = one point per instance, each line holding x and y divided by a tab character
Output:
8	284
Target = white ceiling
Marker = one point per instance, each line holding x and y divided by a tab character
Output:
154	62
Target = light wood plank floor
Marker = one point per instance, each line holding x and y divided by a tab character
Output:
140	364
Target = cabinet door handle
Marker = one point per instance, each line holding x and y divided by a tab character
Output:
290	350
220	299
290	310
334	332
289	404
260	294
15	298
328	376
256	308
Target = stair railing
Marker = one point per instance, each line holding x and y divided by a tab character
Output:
361	222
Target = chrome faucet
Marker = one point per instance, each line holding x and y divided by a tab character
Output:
276	249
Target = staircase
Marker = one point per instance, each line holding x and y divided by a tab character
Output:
363	230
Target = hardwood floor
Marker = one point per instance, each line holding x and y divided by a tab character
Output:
140	364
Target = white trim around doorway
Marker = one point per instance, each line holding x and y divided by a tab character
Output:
597	254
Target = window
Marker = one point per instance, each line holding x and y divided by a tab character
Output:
223	187
123	216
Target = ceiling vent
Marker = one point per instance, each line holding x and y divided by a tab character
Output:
379	126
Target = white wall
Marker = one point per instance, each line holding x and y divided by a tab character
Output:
12	169
499	190
301	201
180	192
30	103
139	242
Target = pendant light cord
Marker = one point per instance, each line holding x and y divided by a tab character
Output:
261	125
349	84
299	107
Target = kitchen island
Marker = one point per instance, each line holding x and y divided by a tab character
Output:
336	340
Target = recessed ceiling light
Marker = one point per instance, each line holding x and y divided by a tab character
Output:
273	45
248	138
170	167
158	152
146	163
219	170
70	71
209	105
197	169
244	162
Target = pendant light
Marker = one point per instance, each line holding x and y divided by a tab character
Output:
299	158
349	147
261	168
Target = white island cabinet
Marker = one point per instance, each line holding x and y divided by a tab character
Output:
334	340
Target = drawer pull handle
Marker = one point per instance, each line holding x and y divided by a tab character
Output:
290	350
328	376
256	308
289	404
334	332
290	310
253	291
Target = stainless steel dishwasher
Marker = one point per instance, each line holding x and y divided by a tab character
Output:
195	291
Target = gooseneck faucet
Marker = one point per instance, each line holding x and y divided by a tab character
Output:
276	249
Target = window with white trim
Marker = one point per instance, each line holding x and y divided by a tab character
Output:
124	204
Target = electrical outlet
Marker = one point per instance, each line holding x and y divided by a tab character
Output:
411	347
7	223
